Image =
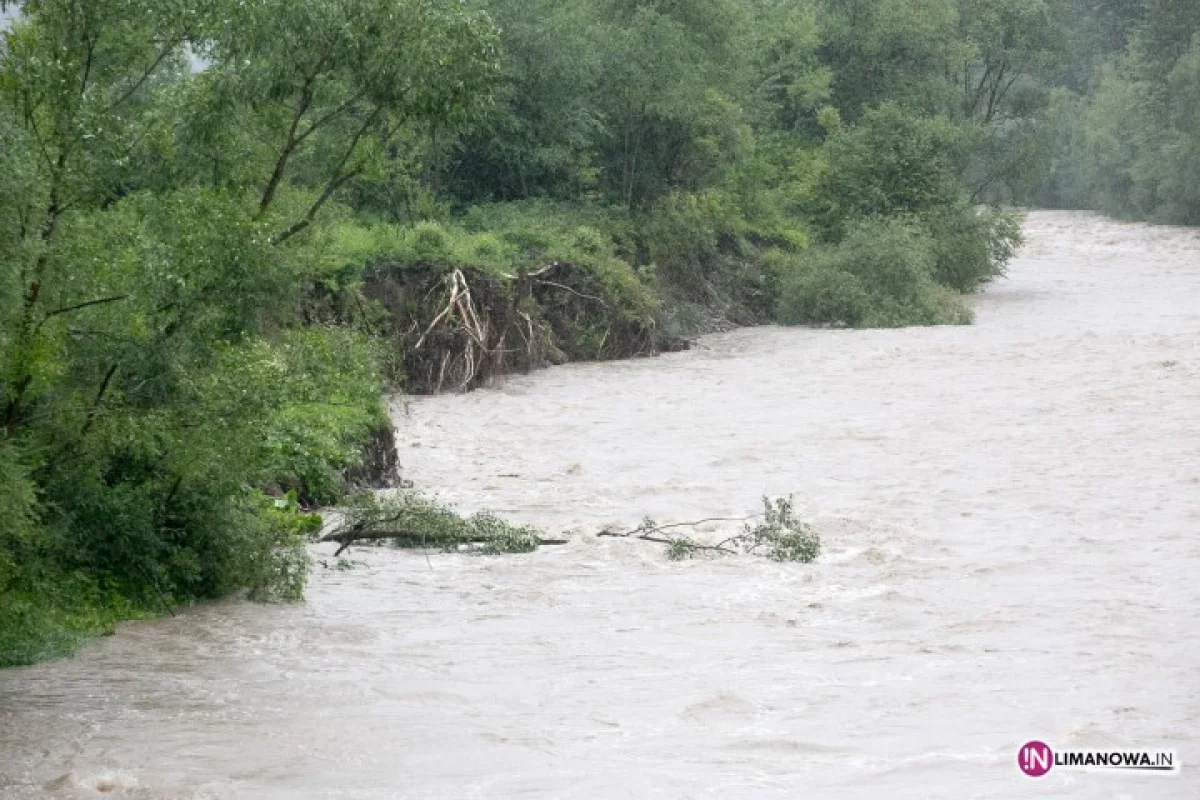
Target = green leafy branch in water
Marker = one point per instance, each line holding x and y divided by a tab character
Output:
776	534
410	519
779	535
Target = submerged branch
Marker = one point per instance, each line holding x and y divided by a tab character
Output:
690	524
411	538
412	520
780	536
674	543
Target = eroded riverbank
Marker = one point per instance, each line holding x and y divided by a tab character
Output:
1010	513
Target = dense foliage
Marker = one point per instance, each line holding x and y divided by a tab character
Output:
226	226
162	364
1129	132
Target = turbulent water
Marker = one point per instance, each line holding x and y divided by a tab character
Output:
1011	525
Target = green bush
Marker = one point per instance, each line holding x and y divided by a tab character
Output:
892	163
897	165
823	296
881	275
63	595
720	248
971	246
132	464
687	237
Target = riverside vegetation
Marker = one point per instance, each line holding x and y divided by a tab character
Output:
227	227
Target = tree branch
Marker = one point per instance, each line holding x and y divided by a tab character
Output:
331	115
289	146
690	524
166	51
338	180
91	415
68	309
408	537
649	537
90	48
993	96
307	219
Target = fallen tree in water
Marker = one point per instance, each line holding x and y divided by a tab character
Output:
409	519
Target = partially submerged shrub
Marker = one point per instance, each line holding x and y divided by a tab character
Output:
824	296
51	616
779	535
881	275
411	519
776	534
326	437
274	562
971	246
897	165
65	594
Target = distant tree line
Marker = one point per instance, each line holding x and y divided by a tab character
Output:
1128	133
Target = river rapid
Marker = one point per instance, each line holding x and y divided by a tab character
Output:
1010	515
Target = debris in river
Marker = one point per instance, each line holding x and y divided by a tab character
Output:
778	535
409	519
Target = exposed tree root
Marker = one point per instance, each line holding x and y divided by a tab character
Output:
458	327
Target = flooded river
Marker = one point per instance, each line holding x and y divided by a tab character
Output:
1011	524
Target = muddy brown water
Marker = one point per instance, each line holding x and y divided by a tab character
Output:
1011	524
